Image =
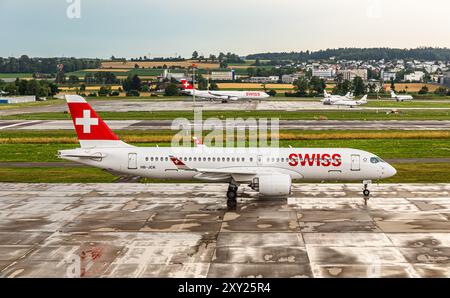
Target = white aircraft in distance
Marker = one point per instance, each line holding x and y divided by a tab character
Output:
400	97
269	171
350	103
223	96
329	98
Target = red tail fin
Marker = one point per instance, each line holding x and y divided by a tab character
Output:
186	85
92	131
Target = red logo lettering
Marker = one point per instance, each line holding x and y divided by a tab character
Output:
293	160
324	160
336	160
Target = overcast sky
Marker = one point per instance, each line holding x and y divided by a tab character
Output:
167	27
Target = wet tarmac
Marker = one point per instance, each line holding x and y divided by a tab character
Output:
185	230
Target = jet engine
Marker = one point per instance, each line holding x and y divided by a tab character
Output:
272	185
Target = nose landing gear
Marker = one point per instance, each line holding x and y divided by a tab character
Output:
231	196
366	191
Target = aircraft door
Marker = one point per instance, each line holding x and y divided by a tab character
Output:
356	162
132	161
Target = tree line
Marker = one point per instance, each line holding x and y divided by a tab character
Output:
423	53
25	64
30	87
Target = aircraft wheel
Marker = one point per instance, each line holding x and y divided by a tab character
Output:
366	192
231	195
231	203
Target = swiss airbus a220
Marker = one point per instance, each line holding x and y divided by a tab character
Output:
223	96
268	171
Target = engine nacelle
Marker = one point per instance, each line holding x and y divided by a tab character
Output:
275	185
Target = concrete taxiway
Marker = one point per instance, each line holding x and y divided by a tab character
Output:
283	124
184	230
118	105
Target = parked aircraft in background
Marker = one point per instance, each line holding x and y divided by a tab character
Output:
223	96
350	103
329	98
269	171
400	97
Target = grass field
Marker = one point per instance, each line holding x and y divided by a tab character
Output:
36	146
385	148
414	104
406	173
282	115
15	75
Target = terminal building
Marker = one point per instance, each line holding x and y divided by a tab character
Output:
416	76
388	75
323	73
350	74
222	75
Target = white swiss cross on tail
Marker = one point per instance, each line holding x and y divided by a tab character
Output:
186	85
86	121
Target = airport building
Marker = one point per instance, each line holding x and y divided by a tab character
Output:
350	74
291	78
19	99
222	76
416	76
271	79
388	75
323	73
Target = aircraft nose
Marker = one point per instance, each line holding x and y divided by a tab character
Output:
389	171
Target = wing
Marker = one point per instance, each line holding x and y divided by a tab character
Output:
237	174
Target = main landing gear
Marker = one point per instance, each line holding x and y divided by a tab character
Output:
366	191
232	196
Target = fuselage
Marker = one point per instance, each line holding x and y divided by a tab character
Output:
227	95
311	164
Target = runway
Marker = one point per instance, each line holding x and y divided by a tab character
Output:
145	105
283	124
184	230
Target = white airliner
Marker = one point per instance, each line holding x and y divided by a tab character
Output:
350	103
400	97
329	98
223	96
269	171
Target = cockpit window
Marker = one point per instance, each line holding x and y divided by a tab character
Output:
376	160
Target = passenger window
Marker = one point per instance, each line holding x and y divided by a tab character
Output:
232	159
251	159
146	159
209	158
228	159
151	159
243	159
